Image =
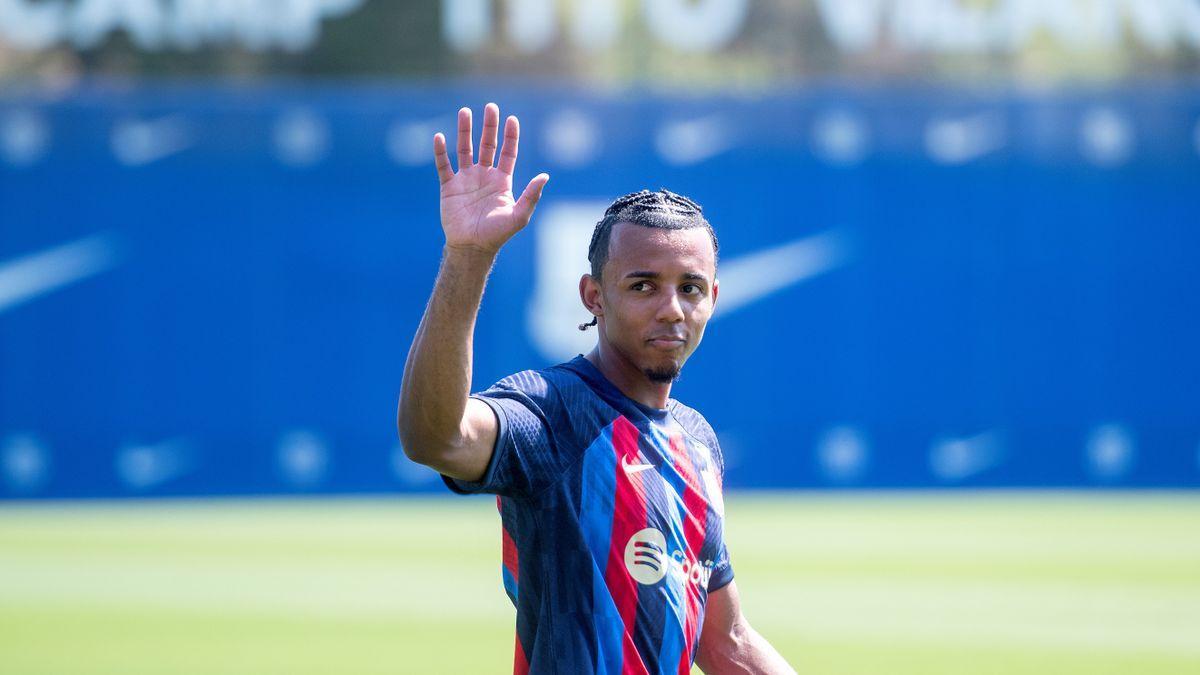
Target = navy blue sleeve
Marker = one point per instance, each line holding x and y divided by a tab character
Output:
525	459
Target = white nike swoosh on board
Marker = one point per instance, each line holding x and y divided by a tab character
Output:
141	142
31	276
145	466
567	225
960	140
686	142
957	458
634	468
754	276
410	143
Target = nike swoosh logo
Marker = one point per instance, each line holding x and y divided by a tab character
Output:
841	137
410	144
956	458
24	462
145	466
687	142
752	277
142	142
37	274
566	225
634	468
24	137
961	140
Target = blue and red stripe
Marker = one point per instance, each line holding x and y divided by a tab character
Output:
675	616
629	517
695	522
612	509
597	501
510	564
510	571
614	506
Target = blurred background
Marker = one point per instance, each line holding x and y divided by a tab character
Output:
953	369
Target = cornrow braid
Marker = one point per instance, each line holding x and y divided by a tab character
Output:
663	209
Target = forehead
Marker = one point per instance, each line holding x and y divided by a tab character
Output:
633	246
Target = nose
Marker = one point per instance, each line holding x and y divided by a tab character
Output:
671	310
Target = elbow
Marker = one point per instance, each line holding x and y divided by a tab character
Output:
419	445
724	652
418	452
407	429
411	442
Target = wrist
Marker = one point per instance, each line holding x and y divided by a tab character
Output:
470	253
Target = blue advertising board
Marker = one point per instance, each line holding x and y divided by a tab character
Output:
211	289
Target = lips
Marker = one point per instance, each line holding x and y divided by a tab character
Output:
667	341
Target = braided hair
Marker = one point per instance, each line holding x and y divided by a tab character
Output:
662	209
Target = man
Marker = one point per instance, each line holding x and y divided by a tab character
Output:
609	491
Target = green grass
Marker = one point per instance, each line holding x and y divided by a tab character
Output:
890	583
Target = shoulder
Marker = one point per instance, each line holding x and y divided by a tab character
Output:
689	417
552	406
555	394
543	384
695	425
698	428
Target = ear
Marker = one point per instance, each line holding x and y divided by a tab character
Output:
591	295
716	290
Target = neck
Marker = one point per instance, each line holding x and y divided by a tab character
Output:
628	378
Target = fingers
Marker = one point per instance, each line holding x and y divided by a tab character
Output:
441	158
487	142
508	156
465	151
523	209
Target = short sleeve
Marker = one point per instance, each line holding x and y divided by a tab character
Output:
525	458
722	571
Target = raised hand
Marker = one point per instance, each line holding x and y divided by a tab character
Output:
478	209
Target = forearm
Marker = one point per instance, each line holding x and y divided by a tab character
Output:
437	374
439	425
746	651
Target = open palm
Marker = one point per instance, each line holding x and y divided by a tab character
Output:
478	209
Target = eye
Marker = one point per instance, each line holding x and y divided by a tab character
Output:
640	286
692	289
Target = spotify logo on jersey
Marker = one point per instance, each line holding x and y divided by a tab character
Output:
646	556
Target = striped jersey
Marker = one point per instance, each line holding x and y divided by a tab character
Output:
611	517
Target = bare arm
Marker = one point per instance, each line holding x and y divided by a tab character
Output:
439	425
729	646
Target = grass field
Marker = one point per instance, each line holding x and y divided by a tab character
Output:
892	583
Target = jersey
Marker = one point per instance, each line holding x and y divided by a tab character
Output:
612	522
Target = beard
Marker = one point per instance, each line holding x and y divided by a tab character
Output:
662	374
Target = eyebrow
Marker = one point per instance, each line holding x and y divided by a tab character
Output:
644	274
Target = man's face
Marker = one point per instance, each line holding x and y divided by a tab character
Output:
658	290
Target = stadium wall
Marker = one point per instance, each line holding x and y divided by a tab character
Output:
210	289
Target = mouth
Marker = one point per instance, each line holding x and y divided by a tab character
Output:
667	342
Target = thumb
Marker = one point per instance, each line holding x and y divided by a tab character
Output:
523	209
